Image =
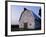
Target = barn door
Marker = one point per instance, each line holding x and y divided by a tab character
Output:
25	25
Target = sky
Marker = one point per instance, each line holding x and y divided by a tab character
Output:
17	10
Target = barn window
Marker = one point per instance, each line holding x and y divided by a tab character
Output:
30	24
21	24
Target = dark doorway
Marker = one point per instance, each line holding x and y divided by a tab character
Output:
25	25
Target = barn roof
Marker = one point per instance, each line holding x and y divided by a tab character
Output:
22	13
32	12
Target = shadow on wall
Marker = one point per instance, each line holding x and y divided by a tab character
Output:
10	36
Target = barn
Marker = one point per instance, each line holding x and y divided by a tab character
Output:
27	20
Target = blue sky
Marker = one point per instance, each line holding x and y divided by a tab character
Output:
17	10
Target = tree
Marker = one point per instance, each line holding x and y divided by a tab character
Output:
40	12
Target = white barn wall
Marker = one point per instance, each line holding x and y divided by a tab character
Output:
28	17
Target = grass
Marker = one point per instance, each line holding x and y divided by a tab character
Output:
16	28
